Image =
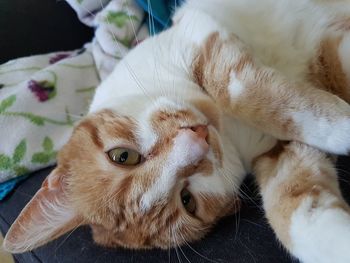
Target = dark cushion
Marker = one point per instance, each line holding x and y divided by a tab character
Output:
244	237
38	26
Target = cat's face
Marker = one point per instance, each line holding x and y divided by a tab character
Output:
147	176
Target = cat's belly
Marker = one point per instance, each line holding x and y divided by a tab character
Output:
247	141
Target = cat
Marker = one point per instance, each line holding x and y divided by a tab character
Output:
233	87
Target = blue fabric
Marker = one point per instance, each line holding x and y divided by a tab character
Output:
159	13
8	186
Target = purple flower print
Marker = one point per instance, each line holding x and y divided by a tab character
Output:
58	57
43	90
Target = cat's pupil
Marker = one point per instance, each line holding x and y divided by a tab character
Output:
186	199
123	157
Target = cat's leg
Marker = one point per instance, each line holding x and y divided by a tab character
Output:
265	99
303	203
227	70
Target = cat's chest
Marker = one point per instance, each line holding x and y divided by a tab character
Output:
244	141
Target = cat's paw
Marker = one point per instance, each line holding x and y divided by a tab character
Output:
328	134
322	234
338	139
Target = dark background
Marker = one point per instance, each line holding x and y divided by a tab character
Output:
31	27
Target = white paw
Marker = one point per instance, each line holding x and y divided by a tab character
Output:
322	234
330	135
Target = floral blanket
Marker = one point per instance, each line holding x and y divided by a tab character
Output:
41	97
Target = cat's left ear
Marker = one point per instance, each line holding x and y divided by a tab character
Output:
47	216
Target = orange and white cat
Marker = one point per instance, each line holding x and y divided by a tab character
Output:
234	86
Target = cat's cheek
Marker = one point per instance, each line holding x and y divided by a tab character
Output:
101	236
213	207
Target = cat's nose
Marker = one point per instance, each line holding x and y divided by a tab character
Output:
201	131
197	135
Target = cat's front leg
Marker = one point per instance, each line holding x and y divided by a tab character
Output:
303	203
265	99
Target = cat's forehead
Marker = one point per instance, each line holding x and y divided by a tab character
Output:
164	117
144	121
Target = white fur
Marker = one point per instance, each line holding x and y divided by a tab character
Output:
165	62
147	137
236	87
185	152
344	55
331	135
321	234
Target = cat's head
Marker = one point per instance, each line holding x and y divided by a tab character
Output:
151	174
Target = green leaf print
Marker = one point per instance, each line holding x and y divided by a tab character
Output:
8	163
88	89
35	119
41	157
126	42
47	144
20	170
6	103
47	155
5	162
119	18
20	151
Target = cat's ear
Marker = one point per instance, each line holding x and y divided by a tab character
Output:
47	216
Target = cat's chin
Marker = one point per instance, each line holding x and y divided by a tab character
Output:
108	238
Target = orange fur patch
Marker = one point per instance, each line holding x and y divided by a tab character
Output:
326	70
264	90
340	24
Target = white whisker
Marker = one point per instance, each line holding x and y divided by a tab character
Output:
177	253
132	24
195	251
183	253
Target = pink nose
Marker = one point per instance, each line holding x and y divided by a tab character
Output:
201	131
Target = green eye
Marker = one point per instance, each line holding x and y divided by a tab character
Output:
124	156
188	201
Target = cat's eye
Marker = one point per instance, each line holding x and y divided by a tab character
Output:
188	201
124	156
